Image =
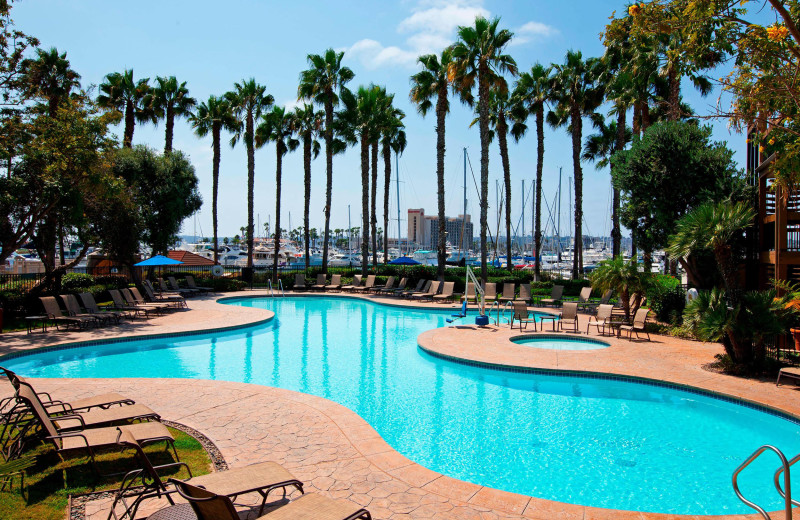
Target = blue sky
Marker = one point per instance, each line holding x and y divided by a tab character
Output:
210	45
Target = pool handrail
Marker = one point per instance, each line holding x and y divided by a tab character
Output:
777	478
787	481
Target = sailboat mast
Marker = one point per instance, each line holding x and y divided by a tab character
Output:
558	232
523	221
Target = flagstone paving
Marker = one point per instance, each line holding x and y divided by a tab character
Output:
337	453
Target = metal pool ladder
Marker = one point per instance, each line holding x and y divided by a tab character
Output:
271	290
785	492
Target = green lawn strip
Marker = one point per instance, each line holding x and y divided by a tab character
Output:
50	481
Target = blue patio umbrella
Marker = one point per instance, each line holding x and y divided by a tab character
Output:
404	260
158	260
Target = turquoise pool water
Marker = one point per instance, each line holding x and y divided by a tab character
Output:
559	343
590	441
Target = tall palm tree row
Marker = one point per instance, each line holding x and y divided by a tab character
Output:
307	124
478	61
433	81
393	139
576	94
170	99
277	126
383	101
212	117
533	91
120	92
249	101
322	82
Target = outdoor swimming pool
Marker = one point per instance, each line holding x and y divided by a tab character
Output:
559	343
591	441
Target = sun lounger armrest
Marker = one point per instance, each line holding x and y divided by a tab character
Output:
61	436
75	417
172	465
66	408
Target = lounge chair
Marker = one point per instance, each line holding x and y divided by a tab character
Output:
300	282
90	305
165	290
569	316
583	297
619	310
173	284
388	285
121	305
55	314
521	314
433	290
592	306
211	506
524	293
555	296
190	283
145	483
370	283
91	439
639	324
322	281
423	292
601	320
173	298
469	292
509	292
166	304
409	291
392	290
336	283
356	283
137	302
446	294
490	292
74	310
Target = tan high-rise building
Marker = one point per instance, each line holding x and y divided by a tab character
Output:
416	226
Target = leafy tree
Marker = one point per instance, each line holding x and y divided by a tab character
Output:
170	99
322	82
49	77
478	60
533	91
576	94
307	124
123	96
14	133
433	81
277	126
625	279
13	47
676	158
249	100
213	116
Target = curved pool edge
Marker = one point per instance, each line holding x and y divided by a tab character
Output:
519	339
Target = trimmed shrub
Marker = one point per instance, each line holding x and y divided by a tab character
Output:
72	282
667	299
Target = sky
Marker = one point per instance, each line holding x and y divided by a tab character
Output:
211	45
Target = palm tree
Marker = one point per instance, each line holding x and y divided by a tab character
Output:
212	117
478	60
600	146
625	279
575	94
49	76
249	101
393	140
384	101
433	81
307	123
278	127
119	92
357	122
171	99
322	82
533	90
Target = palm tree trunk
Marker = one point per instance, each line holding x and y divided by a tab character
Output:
170	127
387	183
674	82
577	130
373	205
278	172
328	175
307	183
637	119
130	122
502	131
539	167
215	134
251	184
483	120
364	204
616	234
441	113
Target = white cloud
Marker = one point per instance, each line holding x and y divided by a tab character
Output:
532	30
442	18
373	55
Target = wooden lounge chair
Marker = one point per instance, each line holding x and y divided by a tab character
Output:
322	282
300	282
211	506
391	290
190	283
639	324
174	298
353	286
370	283
490	292
524	293
388	285
144	483
336	283
90	305
601	320
569	316
421	286
74	310
555	296
91	439
446	294
54	313
173	284
509	292
521	314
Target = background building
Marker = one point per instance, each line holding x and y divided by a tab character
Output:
423	230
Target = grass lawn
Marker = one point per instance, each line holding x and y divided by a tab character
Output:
50	481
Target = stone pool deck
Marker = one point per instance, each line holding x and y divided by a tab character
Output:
337	453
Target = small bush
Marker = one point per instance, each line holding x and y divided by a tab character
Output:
667	299
75	281
112	281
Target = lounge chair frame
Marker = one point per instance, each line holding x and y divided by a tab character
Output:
569	315
639	324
